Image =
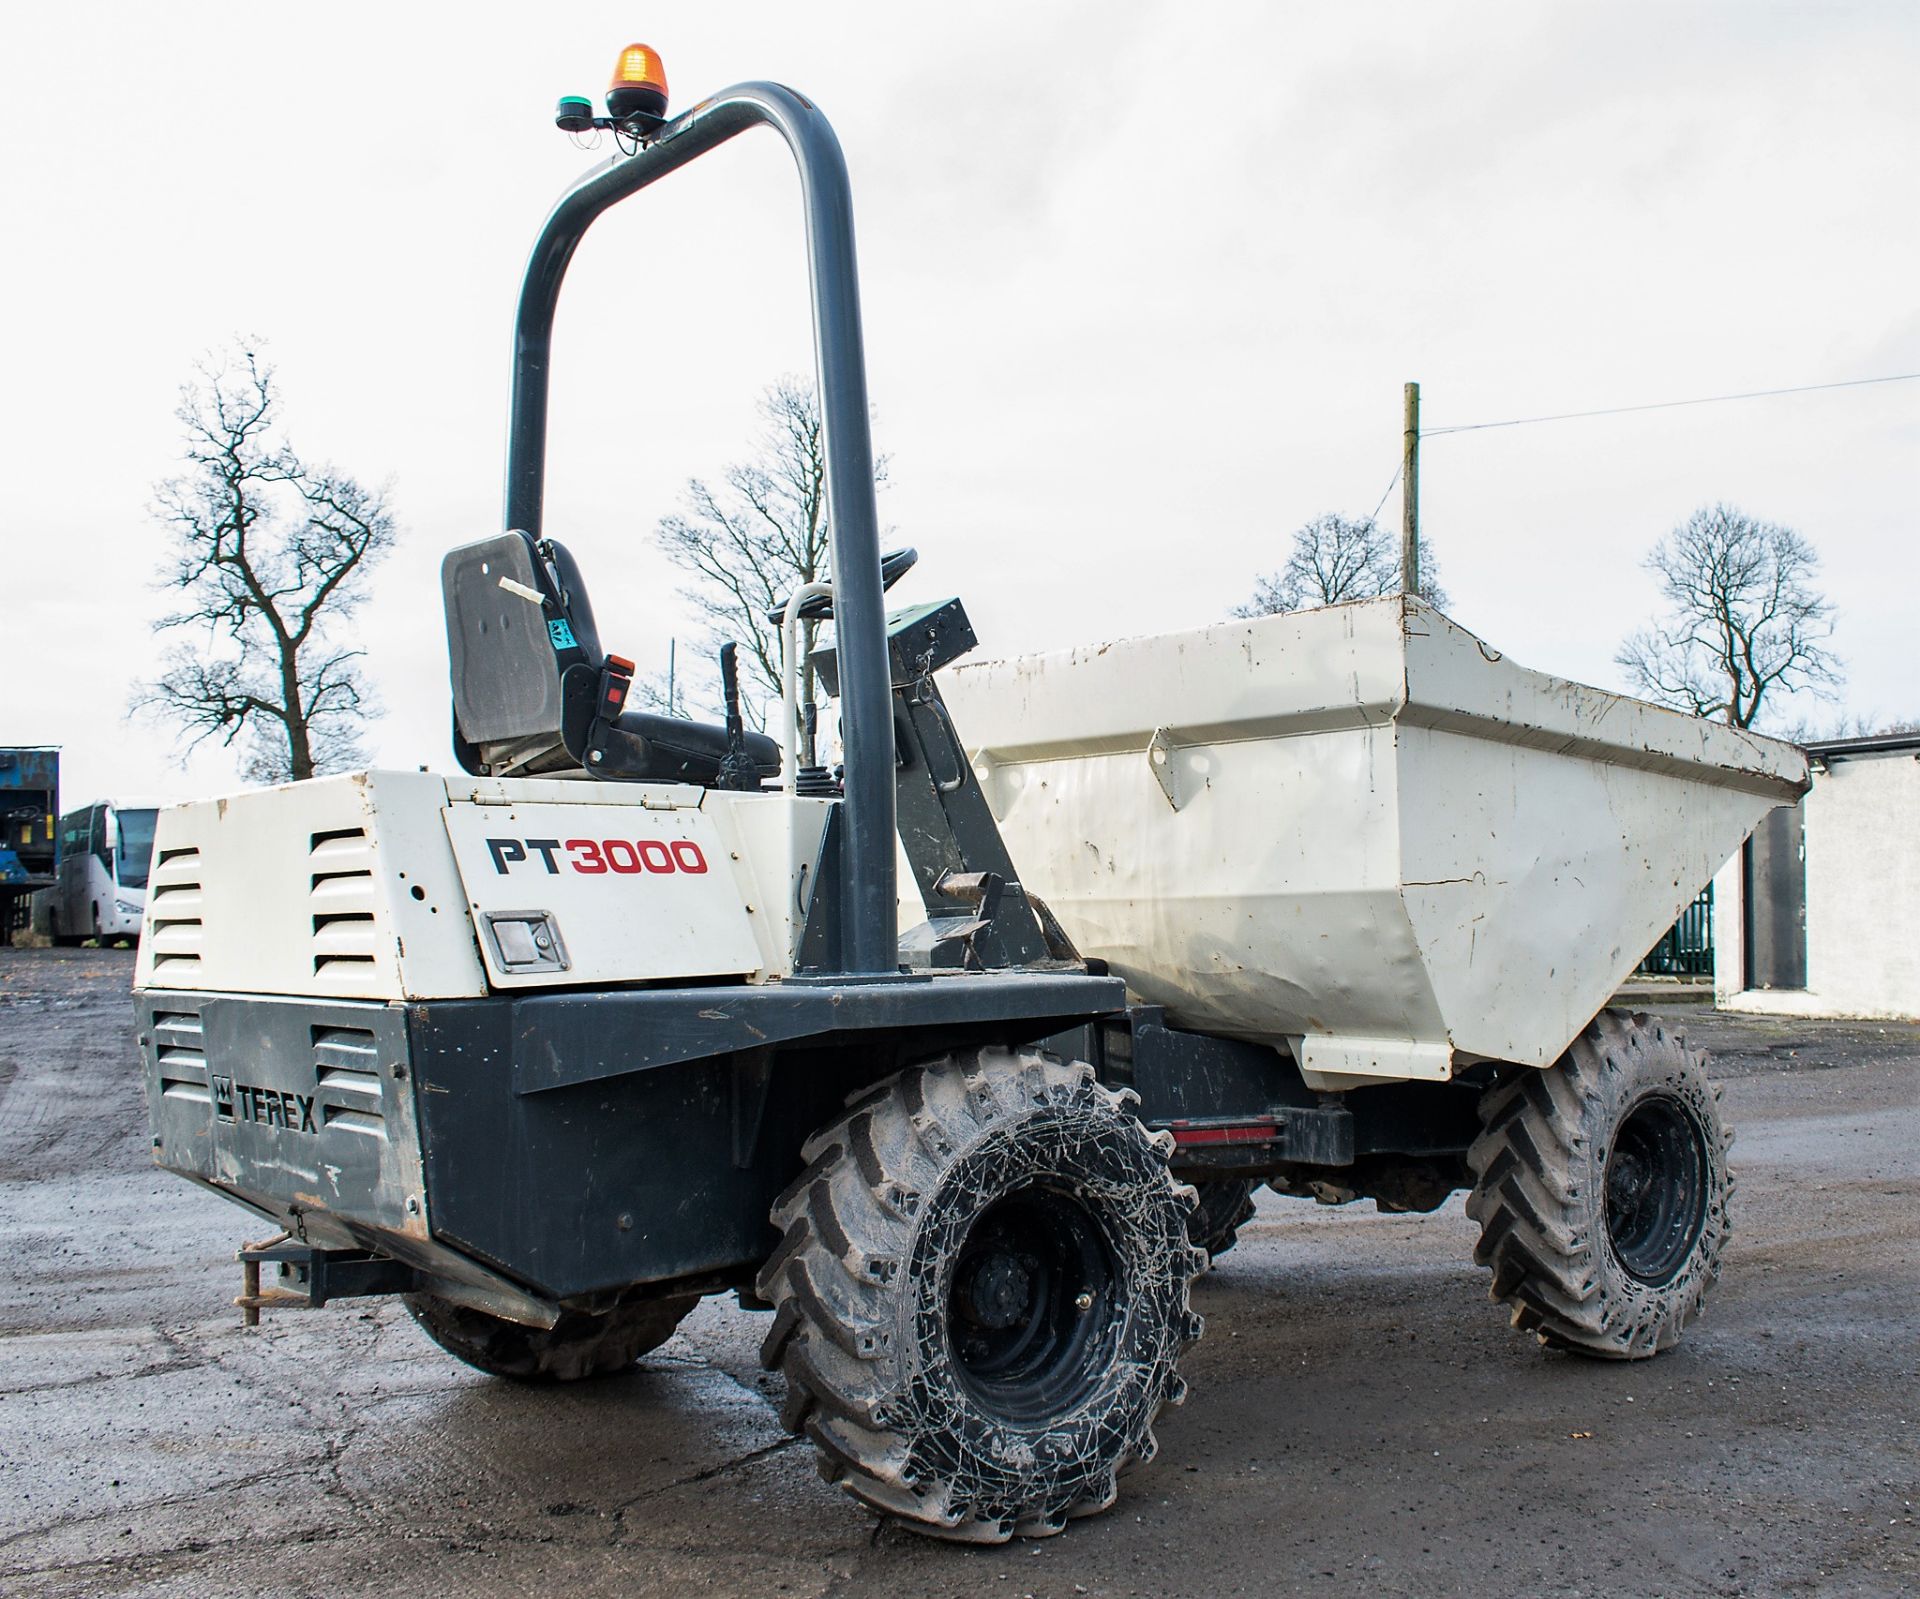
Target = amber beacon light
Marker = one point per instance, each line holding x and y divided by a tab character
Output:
639	88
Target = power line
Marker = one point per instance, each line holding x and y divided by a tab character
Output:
1387	490
1624	410
1665	405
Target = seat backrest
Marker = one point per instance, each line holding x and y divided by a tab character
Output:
516	620
529	691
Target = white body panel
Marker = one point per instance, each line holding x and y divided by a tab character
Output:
1358	831
407	885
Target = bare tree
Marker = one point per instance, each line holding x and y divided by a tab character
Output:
269	556
1870	724
759	535
1745	622
1335	558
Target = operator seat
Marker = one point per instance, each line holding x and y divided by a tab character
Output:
534	693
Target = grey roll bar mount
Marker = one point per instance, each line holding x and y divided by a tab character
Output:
866	711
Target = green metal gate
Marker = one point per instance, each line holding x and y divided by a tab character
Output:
1687	948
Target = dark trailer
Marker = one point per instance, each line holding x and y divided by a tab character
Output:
29	801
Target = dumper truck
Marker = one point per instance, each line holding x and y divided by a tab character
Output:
622	1013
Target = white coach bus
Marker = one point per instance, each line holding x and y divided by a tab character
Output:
100	889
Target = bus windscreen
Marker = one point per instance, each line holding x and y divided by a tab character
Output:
136	847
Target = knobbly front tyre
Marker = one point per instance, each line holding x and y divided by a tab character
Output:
575	1347
980	1295
1602	1189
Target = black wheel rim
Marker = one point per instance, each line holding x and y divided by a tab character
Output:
1033	1299
1656	1189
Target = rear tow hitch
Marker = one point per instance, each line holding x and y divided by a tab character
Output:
307	1277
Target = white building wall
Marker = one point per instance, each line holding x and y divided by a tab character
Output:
1863	898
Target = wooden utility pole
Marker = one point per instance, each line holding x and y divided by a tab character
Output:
1410	495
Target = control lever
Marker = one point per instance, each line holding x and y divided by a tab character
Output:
736	771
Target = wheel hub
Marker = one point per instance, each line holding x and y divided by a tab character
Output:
998	1290
1033	1296
1656	1189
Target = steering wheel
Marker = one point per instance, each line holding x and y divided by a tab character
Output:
894	565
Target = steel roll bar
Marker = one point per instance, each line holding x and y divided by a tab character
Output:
866	714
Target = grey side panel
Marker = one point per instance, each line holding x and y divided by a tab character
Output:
298	1103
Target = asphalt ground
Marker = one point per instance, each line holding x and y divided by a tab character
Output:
1362	1419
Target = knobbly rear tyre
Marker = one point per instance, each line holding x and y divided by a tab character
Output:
1602	1190
577	1346
981	1295
1225	1206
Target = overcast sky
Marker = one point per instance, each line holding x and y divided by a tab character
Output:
1142	284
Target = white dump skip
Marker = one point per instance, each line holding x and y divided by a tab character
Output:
1358	830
